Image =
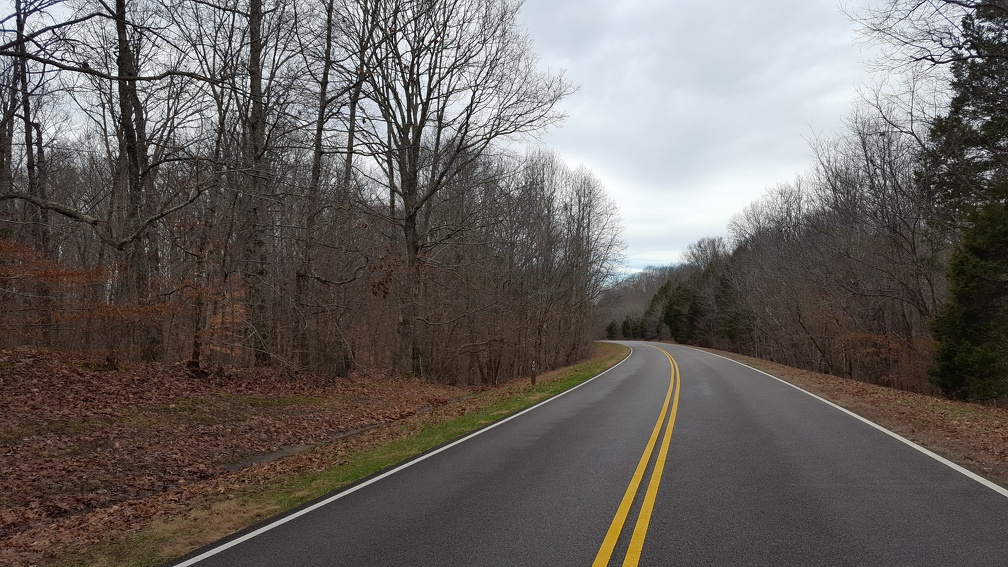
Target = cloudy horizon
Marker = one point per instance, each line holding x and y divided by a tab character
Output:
688	112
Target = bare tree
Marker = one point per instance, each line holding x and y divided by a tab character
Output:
928	32
453	77
330	184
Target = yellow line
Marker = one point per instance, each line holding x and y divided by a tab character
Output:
609	543
644	517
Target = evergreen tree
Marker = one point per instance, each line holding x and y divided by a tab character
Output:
628	328
681	313
972	329
970	169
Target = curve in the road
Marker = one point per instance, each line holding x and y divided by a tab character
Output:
225	545
758	473
666	416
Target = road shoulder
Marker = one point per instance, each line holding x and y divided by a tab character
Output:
973	436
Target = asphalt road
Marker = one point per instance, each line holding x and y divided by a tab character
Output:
700	461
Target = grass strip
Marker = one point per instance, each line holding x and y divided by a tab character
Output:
208	520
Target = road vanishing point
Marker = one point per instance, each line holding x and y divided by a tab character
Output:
673	457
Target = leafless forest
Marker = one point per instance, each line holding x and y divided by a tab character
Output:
888	260
839	271
341	184
321	184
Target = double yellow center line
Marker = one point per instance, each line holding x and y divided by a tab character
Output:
644	516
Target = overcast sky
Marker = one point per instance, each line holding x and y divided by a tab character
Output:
690	110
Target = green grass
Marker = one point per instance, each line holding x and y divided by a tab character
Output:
291	492
171	537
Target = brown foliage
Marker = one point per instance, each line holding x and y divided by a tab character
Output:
86	450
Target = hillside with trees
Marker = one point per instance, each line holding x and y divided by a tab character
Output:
325	185
886	262
208	210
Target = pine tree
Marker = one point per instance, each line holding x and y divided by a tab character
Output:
970	168
681	313
972	330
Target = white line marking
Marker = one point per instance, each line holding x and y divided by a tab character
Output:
356	487
989	484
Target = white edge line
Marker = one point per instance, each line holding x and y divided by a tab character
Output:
989	484
356	487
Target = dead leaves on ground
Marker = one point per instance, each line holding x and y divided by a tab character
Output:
87	452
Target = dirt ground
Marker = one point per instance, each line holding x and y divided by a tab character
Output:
86	451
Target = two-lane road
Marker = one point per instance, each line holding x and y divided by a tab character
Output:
674	457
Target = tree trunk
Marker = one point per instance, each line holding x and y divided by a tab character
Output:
255	253
140	256
38	217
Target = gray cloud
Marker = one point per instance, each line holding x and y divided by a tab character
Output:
690	110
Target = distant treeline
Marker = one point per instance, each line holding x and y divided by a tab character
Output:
888	261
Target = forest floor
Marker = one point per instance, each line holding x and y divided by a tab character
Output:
94	461
86	452
136	465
